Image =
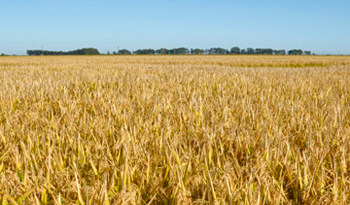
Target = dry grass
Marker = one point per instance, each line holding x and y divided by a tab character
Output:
175	130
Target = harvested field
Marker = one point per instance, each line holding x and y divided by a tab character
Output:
175	130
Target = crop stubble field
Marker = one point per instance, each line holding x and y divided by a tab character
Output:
174	130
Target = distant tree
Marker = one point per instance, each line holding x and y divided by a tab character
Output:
124	52
174	51
181	51
258	51
145	52
279	52
162	51
295	52
158	51
250	51
84	51
218	51
268	51
177	51
2	54
235	50
197	51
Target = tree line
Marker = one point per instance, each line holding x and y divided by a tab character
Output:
84	51
216	51
177	51
211	51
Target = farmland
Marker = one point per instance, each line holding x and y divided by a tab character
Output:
175	129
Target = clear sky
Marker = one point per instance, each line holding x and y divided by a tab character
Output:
322	26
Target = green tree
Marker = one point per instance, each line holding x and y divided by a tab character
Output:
124	52
250	51
235	50
145	52
295	52
279	52
197	51
268	51
84	51
218	51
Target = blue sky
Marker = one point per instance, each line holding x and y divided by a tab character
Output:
320	26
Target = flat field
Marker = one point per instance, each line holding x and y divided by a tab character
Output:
175	130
